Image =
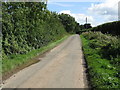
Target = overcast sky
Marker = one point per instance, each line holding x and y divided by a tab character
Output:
97	11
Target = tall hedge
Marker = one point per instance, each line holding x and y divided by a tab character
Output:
110	28
27	26
69	22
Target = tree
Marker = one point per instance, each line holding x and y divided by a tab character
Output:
87	26
68	22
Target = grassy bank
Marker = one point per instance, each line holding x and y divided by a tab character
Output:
102	53
14	61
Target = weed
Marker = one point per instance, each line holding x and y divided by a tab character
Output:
102	53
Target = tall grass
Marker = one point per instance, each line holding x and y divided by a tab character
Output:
102	53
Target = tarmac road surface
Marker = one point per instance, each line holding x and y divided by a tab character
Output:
62	67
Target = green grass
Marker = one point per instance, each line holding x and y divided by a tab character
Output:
103	59
13	61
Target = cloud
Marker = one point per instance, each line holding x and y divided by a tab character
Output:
75	0
80	18
60	4
108	9
65	12
102	12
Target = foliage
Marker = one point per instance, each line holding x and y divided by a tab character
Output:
14	61
69	23
112	28
102	53
84	28
27	26
87	26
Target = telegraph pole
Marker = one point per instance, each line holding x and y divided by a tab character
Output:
86	23
119	11
86	20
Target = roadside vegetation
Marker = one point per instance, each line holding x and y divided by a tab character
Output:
112	28
28	28
102	54
15	62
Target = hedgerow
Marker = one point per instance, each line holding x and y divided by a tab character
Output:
107	28
27	26
102	53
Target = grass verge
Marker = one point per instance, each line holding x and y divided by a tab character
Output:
103	59
14	63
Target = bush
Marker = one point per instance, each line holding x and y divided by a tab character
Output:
108	28
103	58
27	26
